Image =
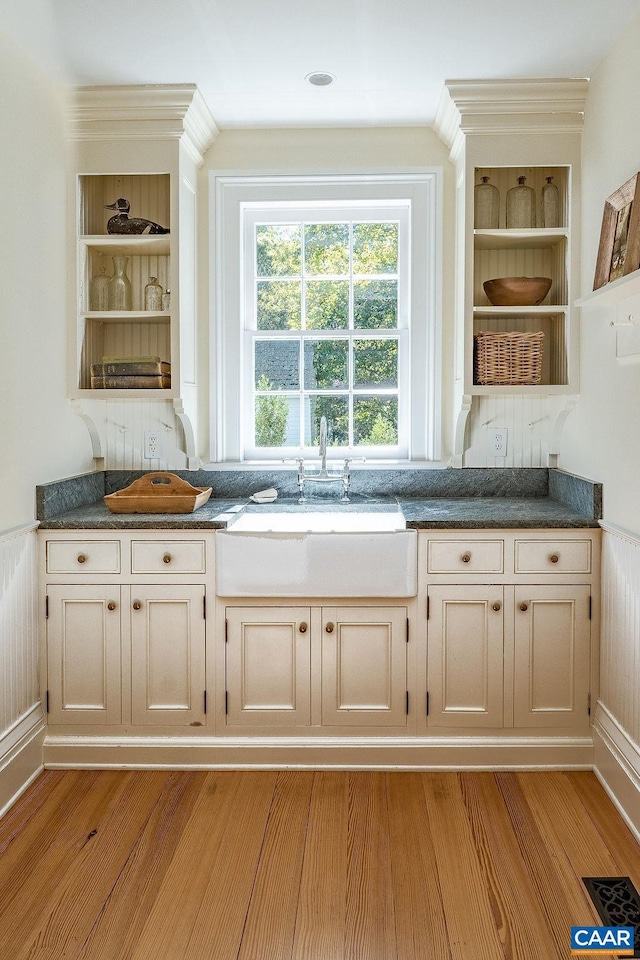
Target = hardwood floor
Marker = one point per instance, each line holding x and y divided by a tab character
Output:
297	865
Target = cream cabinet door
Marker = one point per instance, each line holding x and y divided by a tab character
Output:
552	651
268	666
83	654
465	656
167	654
364	666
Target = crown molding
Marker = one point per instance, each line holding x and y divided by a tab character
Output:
143	112
469	107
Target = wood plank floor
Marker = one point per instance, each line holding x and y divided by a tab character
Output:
299	865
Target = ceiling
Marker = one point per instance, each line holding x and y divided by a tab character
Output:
250	58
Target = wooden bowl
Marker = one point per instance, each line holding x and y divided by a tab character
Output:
517	291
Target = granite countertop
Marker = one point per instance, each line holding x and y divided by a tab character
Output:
452	499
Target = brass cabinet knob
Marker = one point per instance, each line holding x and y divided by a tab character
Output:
466	557
554	558
303	627
81	558
524	606
166	558
111	605
497	606
329	628
136	604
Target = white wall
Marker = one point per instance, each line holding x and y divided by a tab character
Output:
601	439
40	437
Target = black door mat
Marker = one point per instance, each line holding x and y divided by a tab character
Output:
617	902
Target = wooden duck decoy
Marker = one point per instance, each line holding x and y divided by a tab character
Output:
123	223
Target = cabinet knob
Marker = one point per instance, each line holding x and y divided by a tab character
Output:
497	606
166	558
111	605
136	604
329	628
303	627
81	558
554	558
466	557
524	606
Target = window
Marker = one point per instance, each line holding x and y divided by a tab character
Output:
329	311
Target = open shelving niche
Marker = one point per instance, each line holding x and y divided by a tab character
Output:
535	252
136	332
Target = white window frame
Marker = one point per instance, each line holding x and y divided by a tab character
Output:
230	195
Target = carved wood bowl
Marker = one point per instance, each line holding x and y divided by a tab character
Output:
517	291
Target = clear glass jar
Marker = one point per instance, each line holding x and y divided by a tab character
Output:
550	204
99	291
153	295
486	205
521	206
120	285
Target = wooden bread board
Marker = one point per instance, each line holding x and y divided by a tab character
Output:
158	493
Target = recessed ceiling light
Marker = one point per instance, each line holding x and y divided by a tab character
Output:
320	79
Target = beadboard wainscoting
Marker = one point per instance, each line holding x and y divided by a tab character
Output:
617	719
533	423
22	723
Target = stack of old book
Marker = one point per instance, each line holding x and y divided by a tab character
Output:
130	373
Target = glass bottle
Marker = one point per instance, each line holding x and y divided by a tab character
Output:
521	206
99	291
153	295
120	285
166	300
486	205
550	204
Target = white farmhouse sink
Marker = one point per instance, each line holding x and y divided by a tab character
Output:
317	554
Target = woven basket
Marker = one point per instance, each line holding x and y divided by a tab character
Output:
508	358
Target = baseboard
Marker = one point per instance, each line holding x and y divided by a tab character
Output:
617	766
21	748
346	753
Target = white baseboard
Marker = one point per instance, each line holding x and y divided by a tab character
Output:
617	766
346	753
21	755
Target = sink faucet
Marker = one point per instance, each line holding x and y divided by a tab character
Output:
322	451
323	475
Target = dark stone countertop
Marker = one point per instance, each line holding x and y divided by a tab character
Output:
429	499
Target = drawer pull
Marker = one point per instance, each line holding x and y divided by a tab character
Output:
81	558
554	558
497	606
524	607
303	627
111	605
166	558
329	628
466	557
136	604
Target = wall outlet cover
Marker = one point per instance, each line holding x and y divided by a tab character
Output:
152	445
498	442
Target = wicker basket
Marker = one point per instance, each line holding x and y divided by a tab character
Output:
508	358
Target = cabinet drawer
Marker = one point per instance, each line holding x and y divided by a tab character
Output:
552	556
83	556
168	556
465	556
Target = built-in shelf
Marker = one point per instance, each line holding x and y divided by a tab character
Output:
140	316
612	293
542	310
518	239
140	245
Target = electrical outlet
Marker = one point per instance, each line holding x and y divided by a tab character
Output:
498	442
152	445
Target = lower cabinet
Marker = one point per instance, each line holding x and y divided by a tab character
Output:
509	655
272	658
102	638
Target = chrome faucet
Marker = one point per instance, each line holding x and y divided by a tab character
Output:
342	476
322	450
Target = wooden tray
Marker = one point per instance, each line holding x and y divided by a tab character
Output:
158	493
